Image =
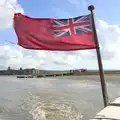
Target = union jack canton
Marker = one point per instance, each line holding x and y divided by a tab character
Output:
72	26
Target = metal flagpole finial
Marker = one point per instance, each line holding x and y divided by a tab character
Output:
91	7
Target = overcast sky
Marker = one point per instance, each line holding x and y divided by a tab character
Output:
107	23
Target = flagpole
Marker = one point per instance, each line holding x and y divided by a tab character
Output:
101	72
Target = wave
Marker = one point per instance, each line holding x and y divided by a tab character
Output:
50	110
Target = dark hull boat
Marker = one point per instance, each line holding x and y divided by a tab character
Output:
25	76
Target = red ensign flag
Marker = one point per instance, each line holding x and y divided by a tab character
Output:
54	34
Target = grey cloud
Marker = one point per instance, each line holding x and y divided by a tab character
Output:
60	63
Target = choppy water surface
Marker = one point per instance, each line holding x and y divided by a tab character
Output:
58	98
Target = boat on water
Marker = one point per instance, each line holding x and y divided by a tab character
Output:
30	76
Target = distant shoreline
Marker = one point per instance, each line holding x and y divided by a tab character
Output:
67	74
49	73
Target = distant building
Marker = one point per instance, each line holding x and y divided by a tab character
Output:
3	72
78	70
21	71
9	68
